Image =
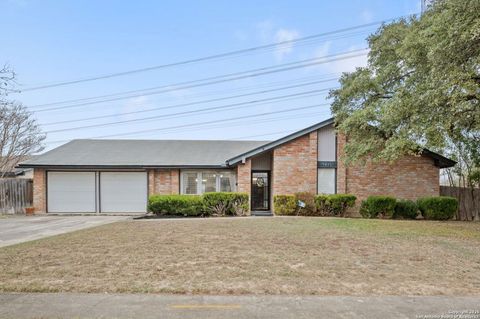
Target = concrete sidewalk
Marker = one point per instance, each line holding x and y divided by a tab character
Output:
14	230
66	305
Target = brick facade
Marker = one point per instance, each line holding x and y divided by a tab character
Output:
163	181
39	191
295	166
409	177
244	182
294	169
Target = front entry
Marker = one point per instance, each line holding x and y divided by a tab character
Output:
260	190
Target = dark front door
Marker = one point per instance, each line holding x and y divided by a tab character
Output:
260	190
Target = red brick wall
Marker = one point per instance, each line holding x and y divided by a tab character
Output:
39	191
244	181
295	166
163	181
409	177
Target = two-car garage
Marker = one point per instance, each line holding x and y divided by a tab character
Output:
96	192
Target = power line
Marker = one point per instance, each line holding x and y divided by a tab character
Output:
229	125
192	103
167	86
211	122
215	108
206	58
230	77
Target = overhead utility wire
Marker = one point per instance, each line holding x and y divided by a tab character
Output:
191	103
162	116
189	128
232	124
175	87
176	84
206	58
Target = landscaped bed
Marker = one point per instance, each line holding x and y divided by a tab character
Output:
284	255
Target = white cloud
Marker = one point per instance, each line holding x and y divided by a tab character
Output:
284	35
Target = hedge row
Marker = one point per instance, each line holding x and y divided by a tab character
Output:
209	204
434	208
307	204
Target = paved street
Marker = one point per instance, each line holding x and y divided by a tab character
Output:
14	230
181	306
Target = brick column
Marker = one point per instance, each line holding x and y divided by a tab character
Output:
244	179
341	168
151	181
39	191
175	181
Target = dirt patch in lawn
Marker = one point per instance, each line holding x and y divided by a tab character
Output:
320	256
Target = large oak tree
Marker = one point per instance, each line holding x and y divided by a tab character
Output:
420	89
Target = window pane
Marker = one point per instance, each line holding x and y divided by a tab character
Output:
190	183
209	182
227	182
326	181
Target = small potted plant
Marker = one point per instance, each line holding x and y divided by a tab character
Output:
29	211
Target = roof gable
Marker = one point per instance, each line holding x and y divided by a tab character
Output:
271	145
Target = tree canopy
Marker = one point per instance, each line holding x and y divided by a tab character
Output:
420	89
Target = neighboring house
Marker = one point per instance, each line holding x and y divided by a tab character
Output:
17	172
109	176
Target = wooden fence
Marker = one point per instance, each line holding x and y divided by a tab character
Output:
15	195
468	200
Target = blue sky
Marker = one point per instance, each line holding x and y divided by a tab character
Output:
53	41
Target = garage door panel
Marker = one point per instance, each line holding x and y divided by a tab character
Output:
123	192
71	192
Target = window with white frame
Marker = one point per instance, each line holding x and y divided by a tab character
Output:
199	182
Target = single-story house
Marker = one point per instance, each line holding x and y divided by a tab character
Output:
114	176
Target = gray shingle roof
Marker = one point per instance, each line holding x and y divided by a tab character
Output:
143	153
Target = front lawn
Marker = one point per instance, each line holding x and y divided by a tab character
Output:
321	256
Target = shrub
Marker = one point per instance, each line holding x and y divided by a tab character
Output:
378	206
225	203
180	205
285	204
309	200
406	209
438	208
334	204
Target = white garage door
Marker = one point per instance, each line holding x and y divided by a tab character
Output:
123	192
71	192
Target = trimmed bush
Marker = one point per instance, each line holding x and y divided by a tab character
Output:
334	204
406	209
285	204
179	205
309	200
378	206
438	208
225	203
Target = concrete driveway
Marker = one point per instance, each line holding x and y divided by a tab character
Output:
14	230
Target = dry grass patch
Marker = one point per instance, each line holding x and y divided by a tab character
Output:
322	256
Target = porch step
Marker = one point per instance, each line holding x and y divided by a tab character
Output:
262	213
